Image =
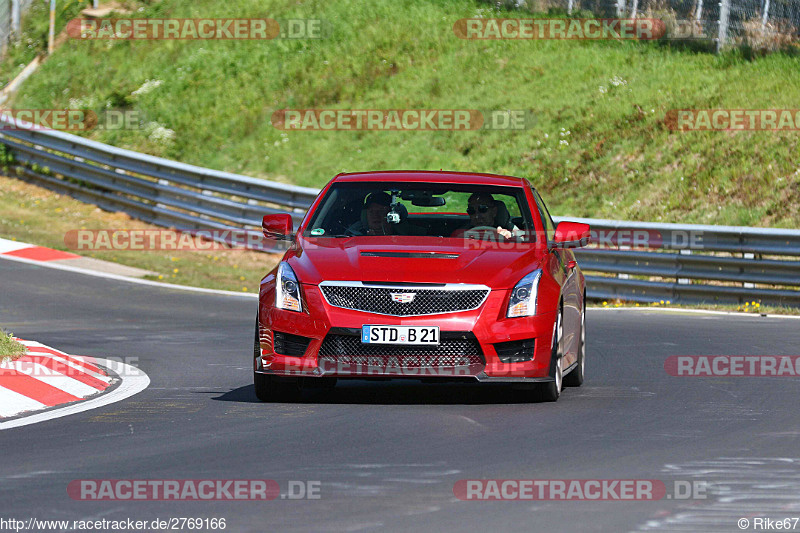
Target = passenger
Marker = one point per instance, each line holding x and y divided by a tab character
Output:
482	209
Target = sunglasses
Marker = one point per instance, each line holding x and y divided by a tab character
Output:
481	209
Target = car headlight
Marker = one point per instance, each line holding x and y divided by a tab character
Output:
287	289
524	296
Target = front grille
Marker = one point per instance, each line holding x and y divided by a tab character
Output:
288	344
515	351
423	301
460	354
338	345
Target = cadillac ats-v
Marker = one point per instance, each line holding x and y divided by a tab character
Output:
437	276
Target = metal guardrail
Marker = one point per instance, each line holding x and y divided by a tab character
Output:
154	189
676	262
691	263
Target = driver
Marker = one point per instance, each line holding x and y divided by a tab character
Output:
376	207
482	211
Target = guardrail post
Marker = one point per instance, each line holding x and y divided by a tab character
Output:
684	281
621	275
747	285
158	193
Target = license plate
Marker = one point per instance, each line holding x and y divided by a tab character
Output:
374	334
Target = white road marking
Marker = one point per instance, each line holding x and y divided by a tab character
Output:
12	403
736	487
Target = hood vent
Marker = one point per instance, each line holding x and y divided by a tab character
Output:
412	255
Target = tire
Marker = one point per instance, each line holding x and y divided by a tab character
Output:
550	392
271	388
265	388
576	375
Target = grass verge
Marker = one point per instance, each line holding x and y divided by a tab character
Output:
10	350
599	146
750	308
38	216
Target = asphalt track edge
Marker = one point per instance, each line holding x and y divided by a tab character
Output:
679	310
128	279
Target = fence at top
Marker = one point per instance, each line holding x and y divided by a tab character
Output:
631	261
765	24
11	12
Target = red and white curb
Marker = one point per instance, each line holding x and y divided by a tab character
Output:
49	380
21	250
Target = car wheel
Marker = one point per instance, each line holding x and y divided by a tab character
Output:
271	388
549	392
265	388
575	377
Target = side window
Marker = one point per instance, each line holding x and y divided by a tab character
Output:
549	226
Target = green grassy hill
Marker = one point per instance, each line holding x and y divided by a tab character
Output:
599	146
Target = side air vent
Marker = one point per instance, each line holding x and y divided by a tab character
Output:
515	351
288	344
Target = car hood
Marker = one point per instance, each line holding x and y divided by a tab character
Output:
412	260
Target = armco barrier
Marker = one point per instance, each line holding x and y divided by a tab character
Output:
688	264
154	189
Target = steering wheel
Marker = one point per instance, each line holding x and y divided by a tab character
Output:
479	231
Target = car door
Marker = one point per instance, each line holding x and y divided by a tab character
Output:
562	264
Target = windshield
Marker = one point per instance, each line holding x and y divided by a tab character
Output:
368	209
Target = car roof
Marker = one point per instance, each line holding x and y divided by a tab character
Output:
436	176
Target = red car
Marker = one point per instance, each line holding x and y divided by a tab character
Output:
425	275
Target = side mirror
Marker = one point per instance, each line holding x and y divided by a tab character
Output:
571	235
277	226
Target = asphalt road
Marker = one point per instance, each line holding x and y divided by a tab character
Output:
387	454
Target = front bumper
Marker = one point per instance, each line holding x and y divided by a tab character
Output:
474	344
